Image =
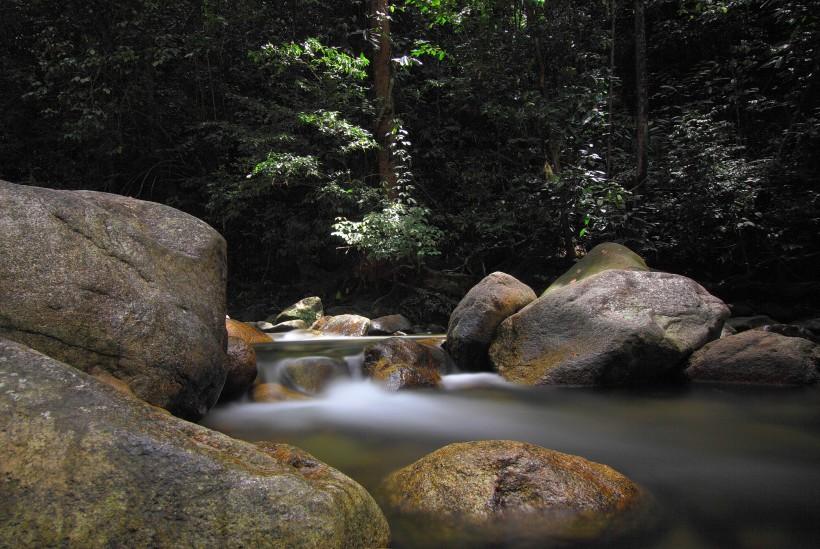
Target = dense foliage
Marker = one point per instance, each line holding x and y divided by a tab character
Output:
511	139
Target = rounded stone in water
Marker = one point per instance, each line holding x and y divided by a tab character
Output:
514	492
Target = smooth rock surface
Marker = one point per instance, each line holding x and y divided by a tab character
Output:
757	357
343	325
477	316
85	466
247	332
398	363
389	325
603	257
241	369
109	283
517	491
616	327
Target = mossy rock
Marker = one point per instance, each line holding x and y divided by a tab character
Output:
602	257
515	492
308	310
84	465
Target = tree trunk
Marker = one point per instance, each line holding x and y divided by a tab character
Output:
611	91
383	88
642	111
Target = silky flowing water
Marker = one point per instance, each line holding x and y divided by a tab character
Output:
727	466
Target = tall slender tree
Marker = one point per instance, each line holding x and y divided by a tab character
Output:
383	89
641	95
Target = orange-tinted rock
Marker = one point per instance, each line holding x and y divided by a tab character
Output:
251	334
241	369
398	363
514	491
343	325
274	392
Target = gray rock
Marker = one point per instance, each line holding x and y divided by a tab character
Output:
616	327
113	284
757	357
343	325
390	324
475	319
86	466
308	310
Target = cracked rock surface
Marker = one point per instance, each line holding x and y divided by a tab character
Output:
112	284
515	491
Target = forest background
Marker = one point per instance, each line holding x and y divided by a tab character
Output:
385	155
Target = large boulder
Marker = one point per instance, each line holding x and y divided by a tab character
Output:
342	325
85	466
603	257
399	363
477	316
757	357
515	492
109	283
616	327
308	310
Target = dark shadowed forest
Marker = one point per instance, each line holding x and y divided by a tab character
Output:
393	152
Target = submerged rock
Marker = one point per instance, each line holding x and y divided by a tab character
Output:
275	392
790	330
516	492
114	284
312	375
390	324
757	357
242	330
603	257
343	325
241	369
398	363
308	310
616	327
85	466
478	315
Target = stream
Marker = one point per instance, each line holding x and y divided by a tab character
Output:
728	466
